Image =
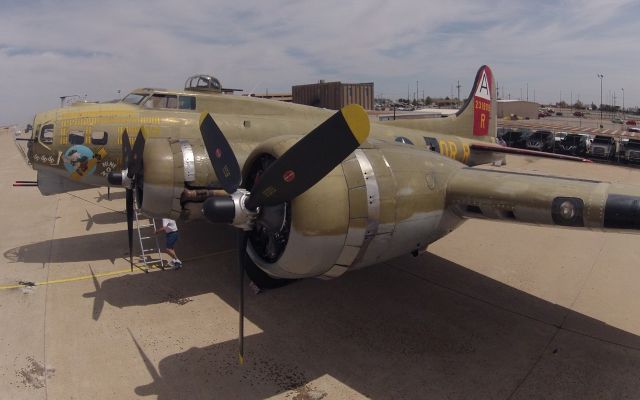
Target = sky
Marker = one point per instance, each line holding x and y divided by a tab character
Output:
104	49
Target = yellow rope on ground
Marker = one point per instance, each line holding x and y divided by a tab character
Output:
85	277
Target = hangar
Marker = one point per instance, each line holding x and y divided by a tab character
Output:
520	108
334	95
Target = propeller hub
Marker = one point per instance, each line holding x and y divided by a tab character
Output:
120	179
230	209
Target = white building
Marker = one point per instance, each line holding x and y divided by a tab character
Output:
520	108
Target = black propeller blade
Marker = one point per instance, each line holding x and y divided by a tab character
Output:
126	159
313	157
242	244
129	202
301	167
223	160
132	161
126	149
135	161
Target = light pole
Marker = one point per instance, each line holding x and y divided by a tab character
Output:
622	103
600	76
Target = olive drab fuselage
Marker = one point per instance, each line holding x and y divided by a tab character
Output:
408	185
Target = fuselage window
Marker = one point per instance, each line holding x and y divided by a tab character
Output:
99	138
162	101
432	144
404	140
76	137
187	103
46	134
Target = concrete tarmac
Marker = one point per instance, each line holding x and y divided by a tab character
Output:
492	311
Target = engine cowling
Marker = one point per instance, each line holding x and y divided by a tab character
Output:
177	177
383	201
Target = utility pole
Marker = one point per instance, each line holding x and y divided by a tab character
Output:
527	91
458	86
622	103
417	91
600	76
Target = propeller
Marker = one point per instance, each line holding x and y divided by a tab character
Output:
297	170
132	160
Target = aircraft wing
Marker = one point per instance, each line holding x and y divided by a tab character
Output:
544	200
496	148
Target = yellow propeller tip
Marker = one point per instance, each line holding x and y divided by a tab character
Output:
358	121
203	115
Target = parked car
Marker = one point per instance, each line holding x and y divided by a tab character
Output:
541	114
575	144
541	140
515	137
631	122
559	113
557	137
617	120
603	147
636	130
578	114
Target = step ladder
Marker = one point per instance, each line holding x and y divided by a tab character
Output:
146	227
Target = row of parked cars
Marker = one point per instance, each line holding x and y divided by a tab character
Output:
575	144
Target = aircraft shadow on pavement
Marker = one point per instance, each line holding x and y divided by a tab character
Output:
111	217
196	238
115	195
435	328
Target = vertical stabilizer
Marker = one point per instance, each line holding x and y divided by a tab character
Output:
477	119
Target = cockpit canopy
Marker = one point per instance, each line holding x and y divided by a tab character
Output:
202	83
161	99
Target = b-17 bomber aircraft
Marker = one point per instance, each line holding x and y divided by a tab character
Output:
314	192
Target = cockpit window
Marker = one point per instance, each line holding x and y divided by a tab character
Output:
162	101
46	134
133	98
187	103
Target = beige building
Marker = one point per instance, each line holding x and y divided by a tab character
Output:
520	108
334	95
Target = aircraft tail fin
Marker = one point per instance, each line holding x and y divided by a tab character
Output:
476	119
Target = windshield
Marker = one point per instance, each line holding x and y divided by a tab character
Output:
572	139
602	140
134	98
540	135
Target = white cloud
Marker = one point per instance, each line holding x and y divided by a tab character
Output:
49	49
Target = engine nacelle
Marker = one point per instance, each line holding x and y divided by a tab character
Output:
177	174
383	201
